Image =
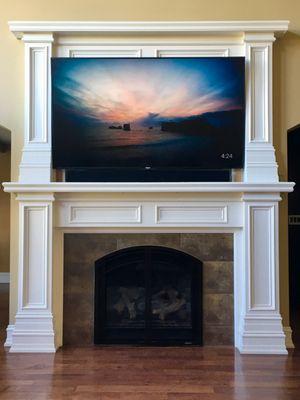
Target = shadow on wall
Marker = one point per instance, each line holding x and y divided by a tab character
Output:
5	160
5	140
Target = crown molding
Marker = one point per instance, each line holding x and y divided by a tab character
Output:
19	28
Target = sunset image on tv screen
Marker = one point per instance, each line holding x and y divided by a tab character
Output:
138	112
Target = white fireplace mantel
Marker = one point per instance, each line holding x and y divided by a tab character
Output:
148	187
19	28
248	209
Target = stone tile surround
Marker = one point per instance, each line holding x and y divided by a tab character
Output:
214	250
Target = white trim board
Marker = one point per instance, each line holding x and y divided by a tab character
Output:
4	277
148	187
19	28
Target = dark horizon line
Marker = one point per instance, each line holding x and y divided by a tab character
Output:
164	119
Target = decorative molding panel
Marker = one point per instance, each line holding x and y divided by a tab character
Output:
37	124
37	90
186	214
259	56
36	157
262	279
259	95
99	215
201	51
34	253
96	51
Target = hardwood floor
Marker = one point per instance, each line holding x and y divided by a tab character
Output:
137	373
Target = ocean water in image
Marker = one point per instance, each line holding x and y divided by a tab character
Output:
143	146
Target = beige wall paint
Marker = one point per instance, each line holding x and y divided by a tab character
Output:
4	213
286	70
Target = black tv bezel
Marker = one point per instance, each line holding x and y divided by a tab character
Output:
150	175
202	171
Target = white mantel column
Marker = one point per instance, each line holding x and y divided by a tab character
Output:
33	331
35	166
260	162
258	321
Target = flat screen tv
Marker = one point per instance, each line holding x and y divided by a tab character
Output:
148	113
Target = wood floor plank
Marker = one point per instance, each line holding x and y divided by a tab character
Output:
139	373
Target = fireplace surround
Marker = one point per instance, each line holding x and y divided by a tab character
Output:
247	208
85	257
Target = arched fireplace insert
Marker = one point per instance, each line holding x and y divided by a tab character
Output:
148	295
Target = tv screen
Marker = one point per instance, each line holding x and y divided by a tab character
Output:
184	113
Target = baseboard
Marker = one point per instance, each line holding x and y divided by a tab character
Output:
9	332
4	277
32	341
286	329
263	351
288	337
29	343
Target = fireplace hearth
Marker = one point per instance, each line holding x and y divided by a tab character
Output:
148	295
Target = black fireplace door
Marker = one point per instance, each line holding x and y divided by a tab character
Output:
148	295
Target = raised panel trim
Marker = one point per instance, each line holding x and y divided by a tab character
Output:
35	165
186	215
96	51
37	92
260	96
28	247
269	232
259	91
200	51
97	215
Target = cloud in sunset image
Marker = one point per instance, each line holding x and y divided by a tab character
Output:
131	90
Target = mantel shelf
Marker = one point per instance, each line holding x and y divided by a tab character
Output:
140	187
19	28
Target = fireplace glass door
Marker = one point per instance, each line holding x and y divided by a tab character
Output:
148	295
